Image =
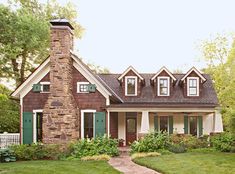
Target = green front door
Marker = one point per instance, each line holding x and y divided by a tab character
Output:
27	127
100	124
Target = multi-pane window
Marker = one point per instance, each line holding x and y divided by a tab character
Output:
45	87
163	86
82	87
193	87
131	88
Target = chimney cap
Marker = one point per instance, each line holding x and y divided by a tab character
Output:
61	22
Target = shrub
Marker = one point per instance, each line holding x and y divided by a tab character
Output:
103	157
177	148
7	155
151	142
95	146
143	155
189	141
36	151
223	142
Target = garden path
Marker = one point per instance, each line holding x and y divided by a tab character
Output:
123	163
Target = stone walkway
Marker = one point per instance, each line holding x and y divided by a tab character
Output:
124	164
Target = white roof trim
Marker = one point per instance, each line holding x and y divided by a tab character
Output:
127	70
44	68
196	71
163	69
24	88
90	77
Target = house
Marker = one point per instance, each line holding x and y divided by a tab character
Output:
63	100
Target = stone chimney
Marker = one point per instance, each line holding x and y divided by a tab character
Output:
60	113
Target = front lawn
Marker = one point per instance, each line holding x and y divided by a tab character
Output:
57	167
191	162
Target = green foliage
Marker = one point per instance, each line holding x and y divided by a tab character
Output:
37	151
24	38
151	142
7	155
95	146
9	112
98	69
223	142
189	141
177	148
220	57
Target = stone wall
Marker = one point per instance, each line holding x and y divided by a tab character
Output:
60	113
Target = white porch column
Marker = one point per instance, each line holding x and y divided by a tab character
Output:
218	123
144	122
108	120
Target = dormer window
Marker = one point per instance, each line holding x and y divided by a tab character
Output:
130	85
163	86
193	86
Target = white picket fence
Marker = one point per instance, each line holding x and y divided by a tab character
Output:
8	139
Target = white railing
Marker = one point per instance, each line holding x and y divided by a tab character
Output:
8	139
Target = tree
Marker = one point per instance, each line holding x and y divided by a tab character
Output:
98	69
24	38
220	57
9	112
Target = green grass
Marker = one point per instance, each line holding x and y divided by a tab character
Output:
57	167
192	162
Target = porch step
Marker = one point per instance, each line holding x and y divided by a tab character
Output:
124	151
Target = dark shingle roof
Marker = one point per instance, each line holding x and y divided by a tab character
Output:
207	98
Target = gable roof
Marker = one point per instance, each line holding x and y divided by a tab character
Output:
33	78
167	71
148	97
95	77
130	68
196	71
44	68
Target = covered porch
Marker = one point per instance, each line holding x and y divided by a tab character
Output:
129	124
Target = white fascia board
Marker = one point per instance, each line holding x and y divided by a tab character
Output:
163	69
201	110
127	70
35	77
196	71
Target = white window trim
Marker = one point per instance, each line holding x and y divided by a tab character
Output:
168	85
192	78
44	83
133	77
82	121
34	124
81	83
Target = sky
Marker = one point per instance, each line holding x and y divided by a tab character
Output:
149	34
